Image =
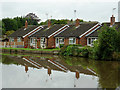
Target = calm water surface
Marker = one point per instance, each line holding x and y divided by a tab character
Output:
46	71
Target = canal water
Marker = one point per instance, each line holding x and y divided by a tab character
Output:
46	71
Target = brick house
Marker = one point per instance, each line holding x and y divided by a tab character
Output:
75	34
94	35
51	36
44	38
20	37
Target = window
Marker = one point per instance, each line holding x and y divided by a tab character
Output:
61	40
90	41
42	40
11	39
32	40
72	41
18	39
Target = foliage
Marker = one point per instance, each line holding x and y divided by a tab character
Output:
74	50
61	45
54	21
9	24
108	43
2	28
9	32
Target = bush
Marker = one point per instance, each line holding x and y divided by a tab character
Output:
61	45
74	50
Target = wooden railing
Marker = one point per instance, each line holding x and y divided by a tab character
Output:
11	44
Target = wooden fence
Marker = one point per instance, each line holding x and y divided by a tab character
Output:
12	44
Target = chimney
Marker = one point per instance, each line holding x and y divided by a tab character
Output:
77	22
112	20
26	24
49	23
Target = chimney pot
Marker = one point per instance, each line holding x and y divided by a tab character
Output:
26	24
77	22
112	20
49	23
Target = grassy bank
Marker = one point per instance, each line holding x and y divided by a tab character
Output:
32	49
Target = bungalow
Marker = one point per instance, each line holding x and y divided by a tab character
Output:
75	34
20	37
94	35
45	38
51	36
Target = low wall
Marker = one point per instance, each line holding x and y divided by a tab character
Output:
55	52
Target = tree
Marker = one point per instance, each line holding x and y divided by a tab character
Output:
10	24
106	42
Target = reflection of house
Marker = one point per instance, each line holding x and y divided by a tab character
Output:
26	68
53	65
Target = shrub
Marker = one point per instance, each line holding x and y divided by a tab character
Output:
61	45
74	50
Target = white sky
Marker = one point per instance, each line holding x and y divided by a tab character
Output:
93	10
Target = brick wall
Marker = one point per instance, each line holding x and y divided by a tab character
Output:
51	42
77	40
38	42
83	41
66	41
26	41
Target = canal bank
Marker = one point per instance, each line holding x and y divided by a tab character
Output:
34	51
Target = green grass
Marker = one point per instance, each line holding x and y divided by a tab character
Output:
32	49
23	55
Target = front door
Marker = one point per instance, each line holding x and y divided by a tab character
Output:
57	42
43	42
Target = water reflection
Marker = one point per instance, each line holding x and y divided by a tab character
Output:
107	71
62	72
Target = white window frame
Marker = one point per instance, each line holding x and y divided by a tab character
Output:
18	39
32	41
72	38
92	39
61	40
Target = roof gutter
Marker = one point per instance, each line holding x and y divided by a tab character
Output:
93	30
59	30
33	31
89	30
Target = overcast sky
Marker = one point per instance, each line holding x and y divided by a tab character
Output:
93	10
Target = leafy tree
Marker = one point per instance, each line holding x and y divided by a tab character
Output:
2	28
10	24
106	43
19	23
